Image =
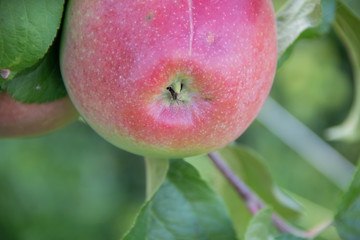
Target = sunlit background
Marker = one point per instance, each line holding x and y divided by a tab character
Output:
72	184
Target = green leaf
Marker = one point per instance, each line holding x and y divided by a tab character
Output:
184	207
27	29
41	82
236	206
353	6
350	35
289	237
156	170
347	220
295	17
261	226
251	168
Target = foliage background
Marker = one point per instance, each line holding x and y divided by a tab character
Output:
72	184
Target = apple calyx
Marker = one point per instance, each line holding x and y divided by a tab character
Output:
178	90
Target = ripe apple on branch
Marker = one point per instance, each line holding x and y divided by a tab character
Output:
169	78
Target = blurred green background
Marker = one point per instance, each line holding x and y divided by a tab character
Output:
68	185
72	184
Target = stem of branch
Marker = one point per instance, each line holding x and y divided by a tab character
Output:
254	203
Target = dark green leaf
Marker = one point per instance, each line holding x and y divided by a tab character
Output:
27	29
253	171
260	226
295	17
184	207
347	220
39	83
346	27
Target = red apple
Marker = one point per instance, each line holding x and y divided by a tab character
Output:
28	120
169	78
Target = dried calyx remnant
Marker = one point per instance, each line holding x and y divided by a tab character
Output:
174	92
5	73
179	88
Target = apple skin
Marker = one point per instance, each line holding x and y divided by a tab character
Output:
30	120
171	78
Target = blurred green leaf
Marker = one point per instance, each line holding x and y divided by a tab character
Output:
353	6
347	220
251	168
324	26
295	17
260	227
350	35
184	207
41	82
27	29
156	170
288	237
